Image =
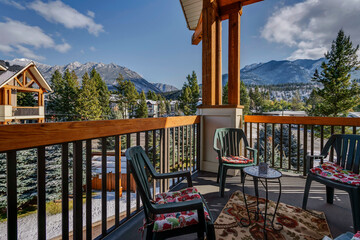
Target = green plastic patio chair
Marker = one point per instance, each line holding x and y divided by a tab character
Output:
342	174
173	213
227	146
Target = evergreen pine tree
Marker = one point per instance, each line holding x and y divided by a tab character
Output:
63	99
88	105
168	107
127	96
185	100
296	103
103	92
189	99
256	100
162	107
26	99
176	110
142	109
244	97
339	94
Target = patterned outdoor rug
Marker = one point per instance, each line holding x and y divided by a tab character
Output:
297	223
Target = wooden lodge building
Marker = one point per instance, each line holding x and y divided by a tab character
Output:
15	79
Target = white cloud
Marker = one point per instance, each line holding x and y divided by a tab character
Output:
63	47
310	26
58	12
27	53
18	37
13	3
92	48
91	14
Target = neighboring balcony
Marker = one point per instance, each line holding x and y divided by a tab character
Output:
9	113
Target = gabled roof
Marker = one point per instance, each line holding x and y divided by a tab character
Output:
13	71
2	66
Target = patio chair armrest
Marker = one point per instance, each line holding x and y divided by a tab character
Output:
254	153
175	175
196	204
310	160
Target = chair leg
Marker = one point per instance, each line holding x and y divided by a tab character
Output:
256	186
355	208
218	174
223	180
329	194
149	233
306	191
210	234
242	174
200	234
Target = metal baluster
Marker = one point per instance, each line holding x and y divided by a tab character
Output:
77	191
41	198
88	191
11	190
103	187
128	182
117	178
65	191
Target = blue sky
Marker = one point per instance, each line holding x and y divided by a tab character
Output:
151	37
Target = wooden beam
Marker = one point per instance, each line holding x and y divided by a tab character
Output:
234	59
18	81
197	36
24	89
225	11
22	136
24	78
218	64
30	83
208	52
243	2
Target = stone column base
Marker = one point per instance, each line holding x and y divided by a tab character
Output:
211	119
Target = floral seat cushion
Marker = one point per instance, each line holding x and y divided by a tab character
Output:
168	221
356	236
237	160
335	172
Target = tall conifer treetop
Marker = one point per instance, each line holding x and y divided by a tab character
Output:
339	93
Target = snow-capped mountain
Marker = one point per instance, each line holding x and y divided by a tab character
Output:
108	72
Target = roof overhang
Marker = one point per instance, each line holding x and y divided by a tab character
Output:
31	67
2	68
193	13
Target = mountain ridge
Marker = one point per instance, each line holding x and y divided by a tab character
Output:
108	72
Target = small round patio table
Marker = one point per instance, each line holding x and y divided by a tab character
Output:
271	175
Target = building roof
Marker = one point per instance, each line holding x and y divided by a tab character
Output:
192	11
13	71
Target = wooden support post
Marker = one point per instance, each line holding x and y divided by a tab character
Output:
24	78
218	77
208	52
39	99
234	57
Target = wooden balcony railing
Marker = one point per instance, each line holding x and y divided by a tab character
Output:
172	144
25	111
285	141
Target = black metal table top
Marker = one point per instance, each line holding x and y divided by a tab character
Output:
254	171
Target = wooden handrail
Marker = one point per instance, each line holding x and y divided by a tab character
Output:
25	107
326	121
15	137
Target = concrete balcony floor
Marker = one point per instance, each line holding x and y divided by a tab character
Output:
338	214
